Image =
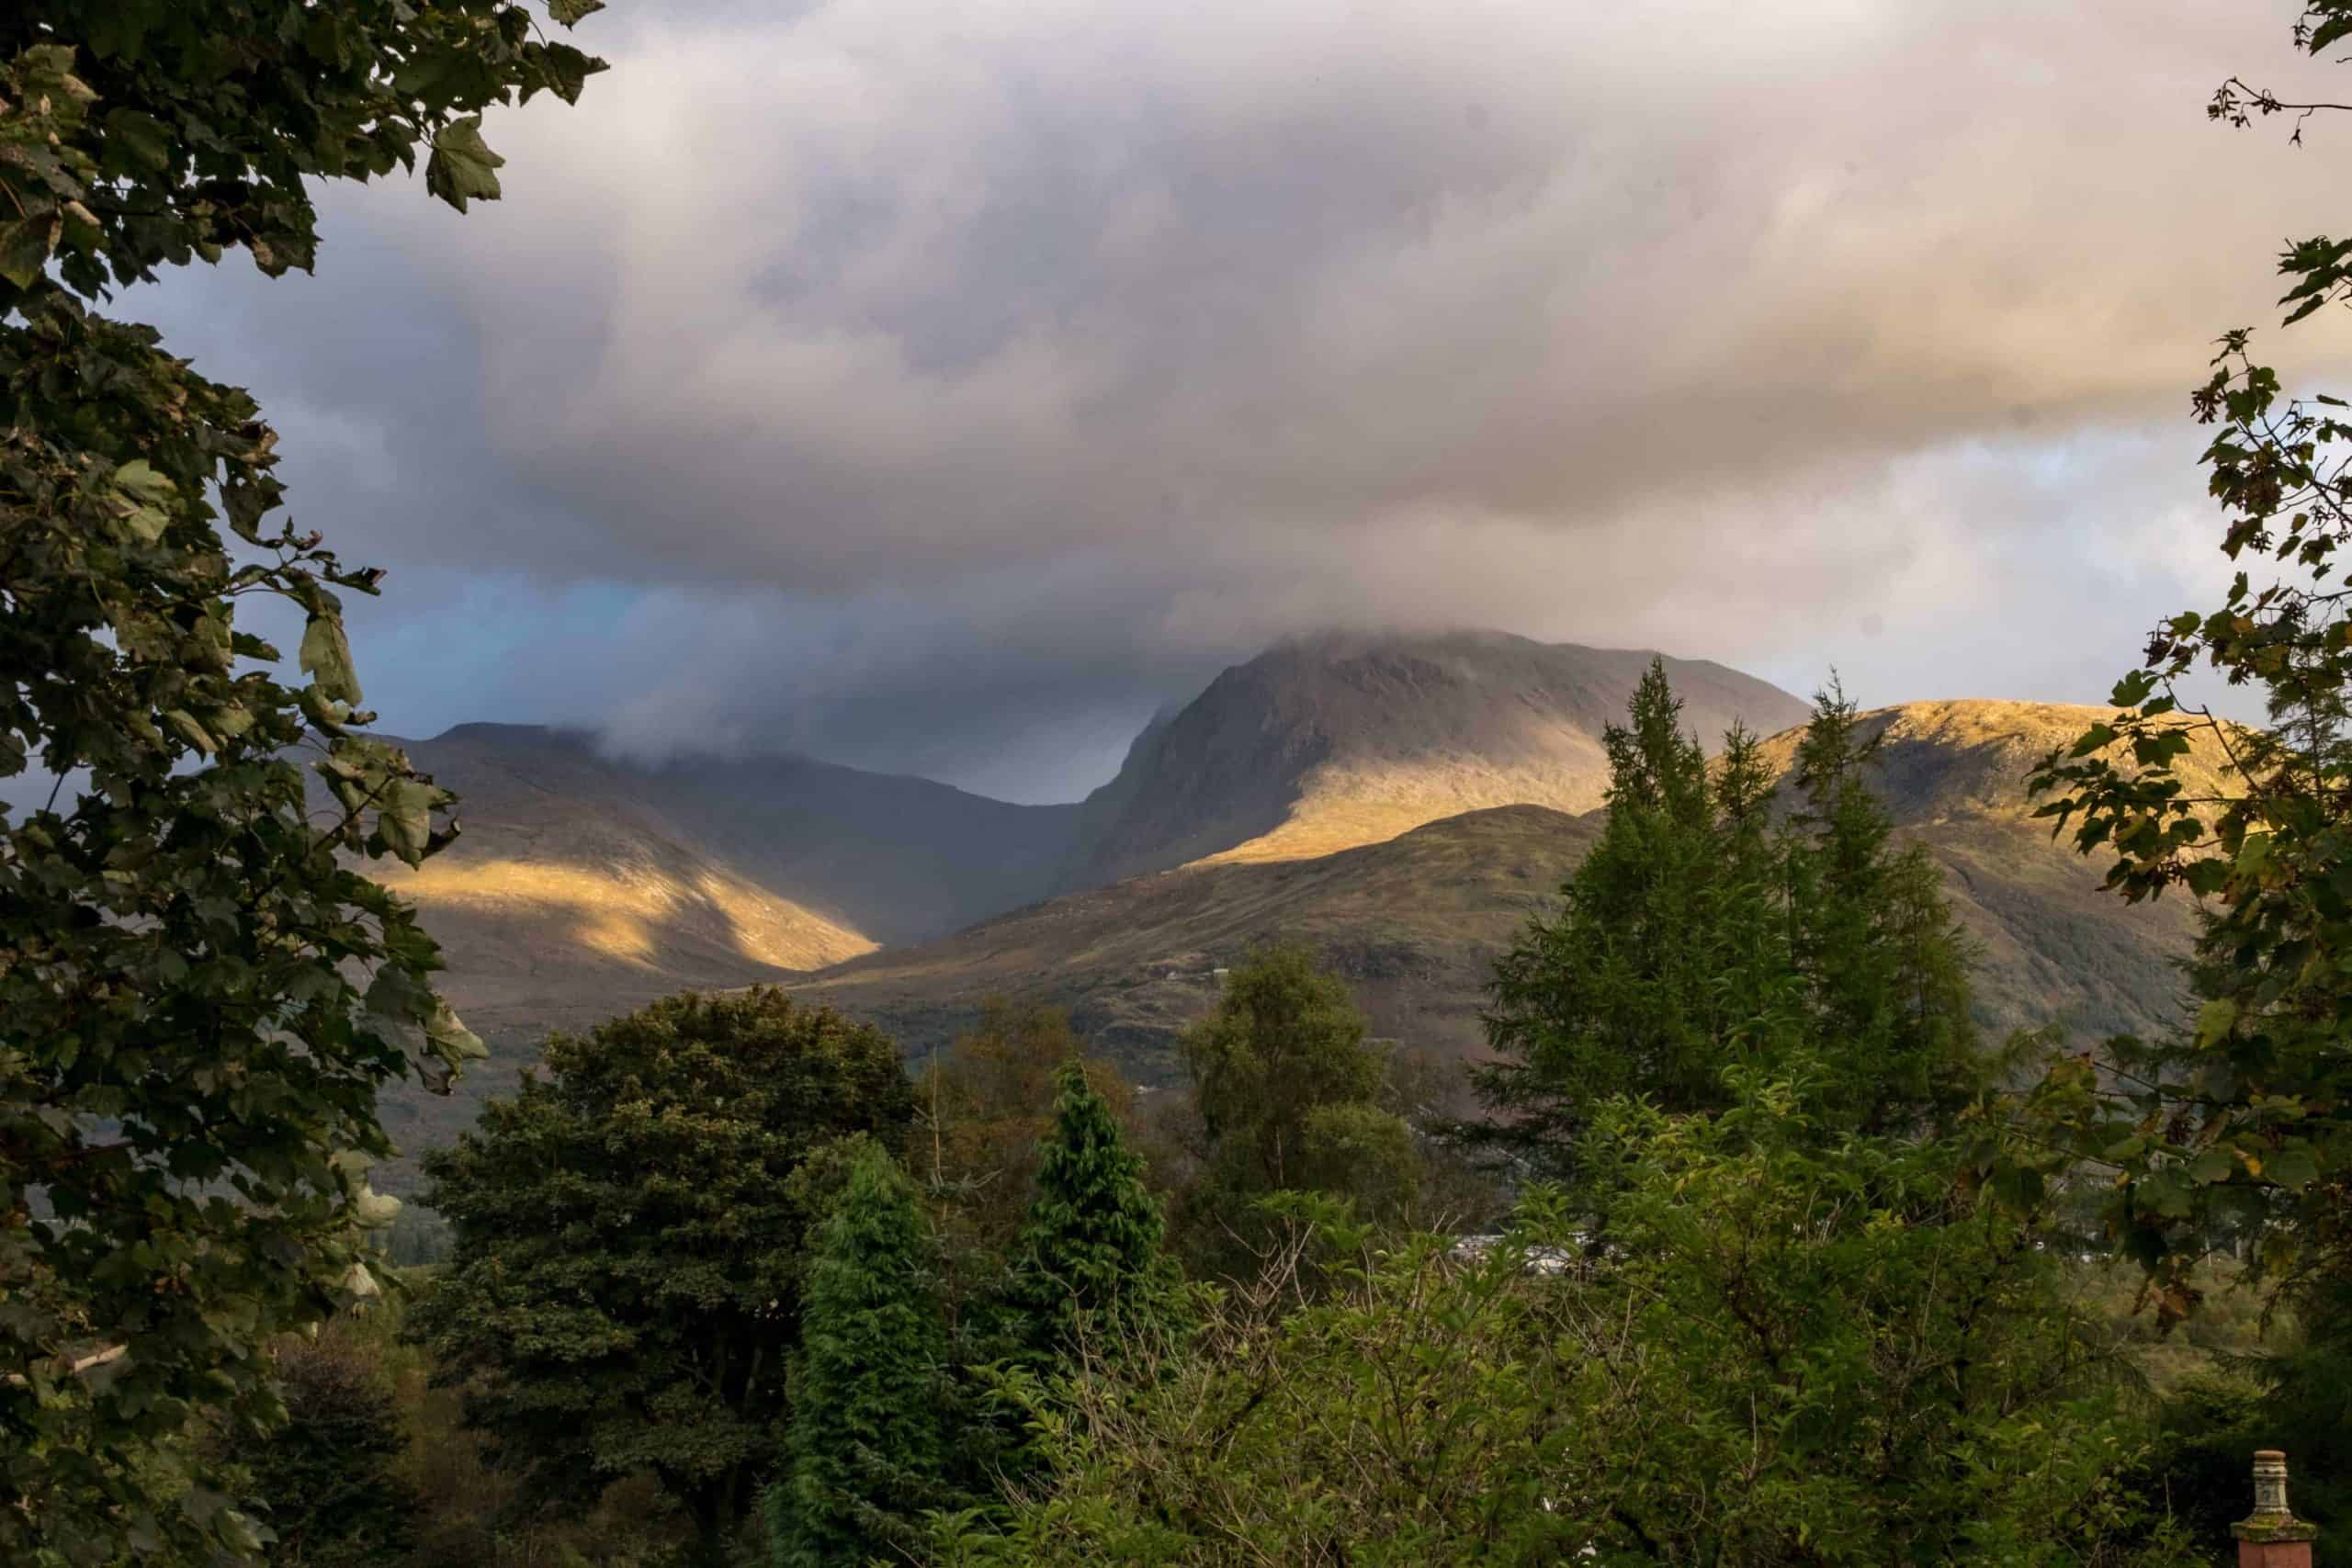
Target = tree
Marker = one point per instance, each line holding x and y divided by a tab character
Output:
983	1114
1666	959
631	1239
326	1478
868	1447
1287	1089
2242	1124
1698	937
1883	961
1090	1243
199	1001
1800	1351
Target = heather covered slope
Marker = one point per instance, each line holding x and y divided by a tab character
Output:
893	858
583	886
1323	743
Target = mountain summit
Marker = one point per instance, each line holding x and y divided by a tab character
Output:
1323	743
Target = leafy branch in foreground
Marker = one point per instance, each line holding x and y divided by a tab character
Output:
2239	1130
199	999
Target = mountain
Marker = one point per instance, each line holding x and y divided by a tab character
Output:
1411	923
584	886
1320	744
2053	947
884	858
1415	922
1402	804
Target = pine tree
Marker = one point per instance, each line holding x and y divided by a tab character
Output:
1090	1245
1667	957
1696	937
867	1451
1883	962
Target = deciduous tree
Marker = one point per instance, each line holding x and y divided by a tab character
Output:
631	1243
2239	1125
1290	1096
983	1113
199	997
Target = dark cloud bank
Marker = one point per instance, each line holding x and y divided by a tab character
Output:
942	390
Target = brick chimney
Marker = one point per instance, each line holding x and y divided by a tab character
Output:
2271	1537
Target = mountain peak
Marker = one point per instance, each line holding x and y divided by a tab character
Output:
1337	739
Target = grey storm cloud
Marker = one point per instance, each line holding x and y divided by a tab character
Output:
949	386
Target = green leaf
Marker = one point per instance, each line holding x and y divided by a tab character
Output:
2098	736
571	13
136	141
2252	854
2214	1022
2213	1164
139	478
189	729
2207	877
2293	1169
146	524
325	657
24	246
456	1042
405	818
462	167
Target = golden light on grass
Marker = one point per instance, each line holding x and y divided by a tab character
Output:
624	911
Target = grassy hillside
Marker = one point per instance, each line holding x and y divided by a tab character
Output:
583	886
1411	923
582	889
1415	922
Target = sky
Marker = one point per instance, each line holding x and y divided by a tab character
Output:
943	389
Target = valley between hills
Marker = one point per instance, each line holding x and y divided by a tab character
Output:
1401	804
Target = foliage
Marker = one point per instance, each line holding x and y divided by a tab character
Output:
466	1514
202	1000
1664	960
2242	1124
1089	1248
326	1481
1697	935
983	1113
867	1447
1883	961
1287	1090
1857	1351
631	1243
1799	1350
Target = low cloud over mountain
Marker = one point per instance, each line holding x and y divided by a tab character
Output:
943	395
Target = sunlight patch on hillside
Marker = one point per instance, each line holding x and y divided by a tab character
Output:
630	912
1344	809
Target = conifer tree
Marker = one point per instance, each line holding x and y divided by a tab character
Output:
1090	1245
1667	956
1884	966
1696	937
867	1451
